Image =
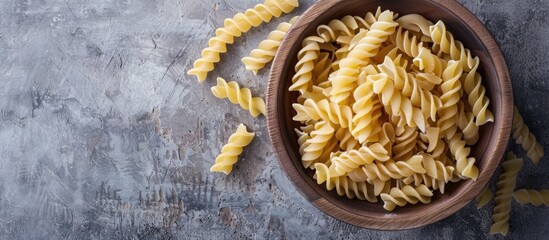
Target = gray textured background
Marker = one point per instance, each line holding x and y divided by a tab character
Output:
103	135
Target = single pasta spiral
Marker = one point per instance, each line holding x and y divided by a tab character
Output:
323	110
241	96
233	28
466	123
344	185
409	45
351	160
447	44
346	139
417	23
267	48
367	109
345	80
477	98
534	197
405	143
524	137
465	165
506	184
317	144
229	153
406	194
306	57
384	171
450	97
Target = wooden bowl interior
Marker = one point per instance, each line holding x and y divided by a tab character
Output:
488	151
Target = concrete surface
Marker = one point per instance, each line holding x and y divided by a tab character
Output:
103	135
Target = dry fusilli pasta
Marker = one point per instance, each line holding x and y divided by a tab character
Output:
229	153
233	28
534	197
241	96
506	185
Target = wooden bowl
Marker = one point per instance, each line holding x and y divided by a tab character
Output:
488	151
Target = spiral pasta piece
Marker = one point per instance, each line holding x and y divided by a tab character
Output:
409	45
465	165
477	98
346	139
534	197
306	58
484	197
351	160
450	97
267	48
525	138
241	96
345	81
384	171
406	194
506	184
445	40
233	28
324	110
229	153
367	109
405	143
316	145
344	185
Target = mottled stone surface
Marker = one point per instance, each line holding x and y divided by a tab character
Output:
103	135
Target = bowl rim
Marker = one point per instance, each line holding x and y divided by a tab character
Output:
275	129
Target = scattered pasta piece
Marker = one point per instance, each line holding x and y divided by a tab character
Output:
393	103
234	147
234	28
506	185
534	197
241	96
525	138
267	48
484	197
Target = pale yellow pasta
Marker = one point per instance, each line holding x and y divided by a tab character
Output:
391	169
450	97
534	197
396	103
241	96
367	110
349	161
465	165
405	142
233	28
484	197
320	138
323	110
428	62
344	185
229	153
525	138
344	27
477	98
303	78
344	82
447	44
405	195
466	123
506	185
401	117
416	23
267	48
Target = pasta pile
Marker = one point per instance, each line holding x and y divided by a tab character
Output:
389	107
